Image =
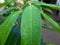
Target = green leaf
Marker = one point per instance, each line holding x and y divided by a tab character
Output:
31	26
37	3
55	25
7	25
51	6
45	4
48	10
7	10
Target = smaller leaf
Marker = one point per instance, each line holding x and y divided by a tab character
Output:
47	9
46	5
51	6
36	3
55	25
7	10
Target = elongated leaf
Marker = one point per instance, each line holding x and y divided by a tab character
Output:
45	4
37	3
48	10
6	26
14	37
55	25
7	10
31	26
52	6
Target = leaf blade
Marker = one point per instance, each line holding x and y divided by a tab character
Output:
6	26
31	26
46	5
54	24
